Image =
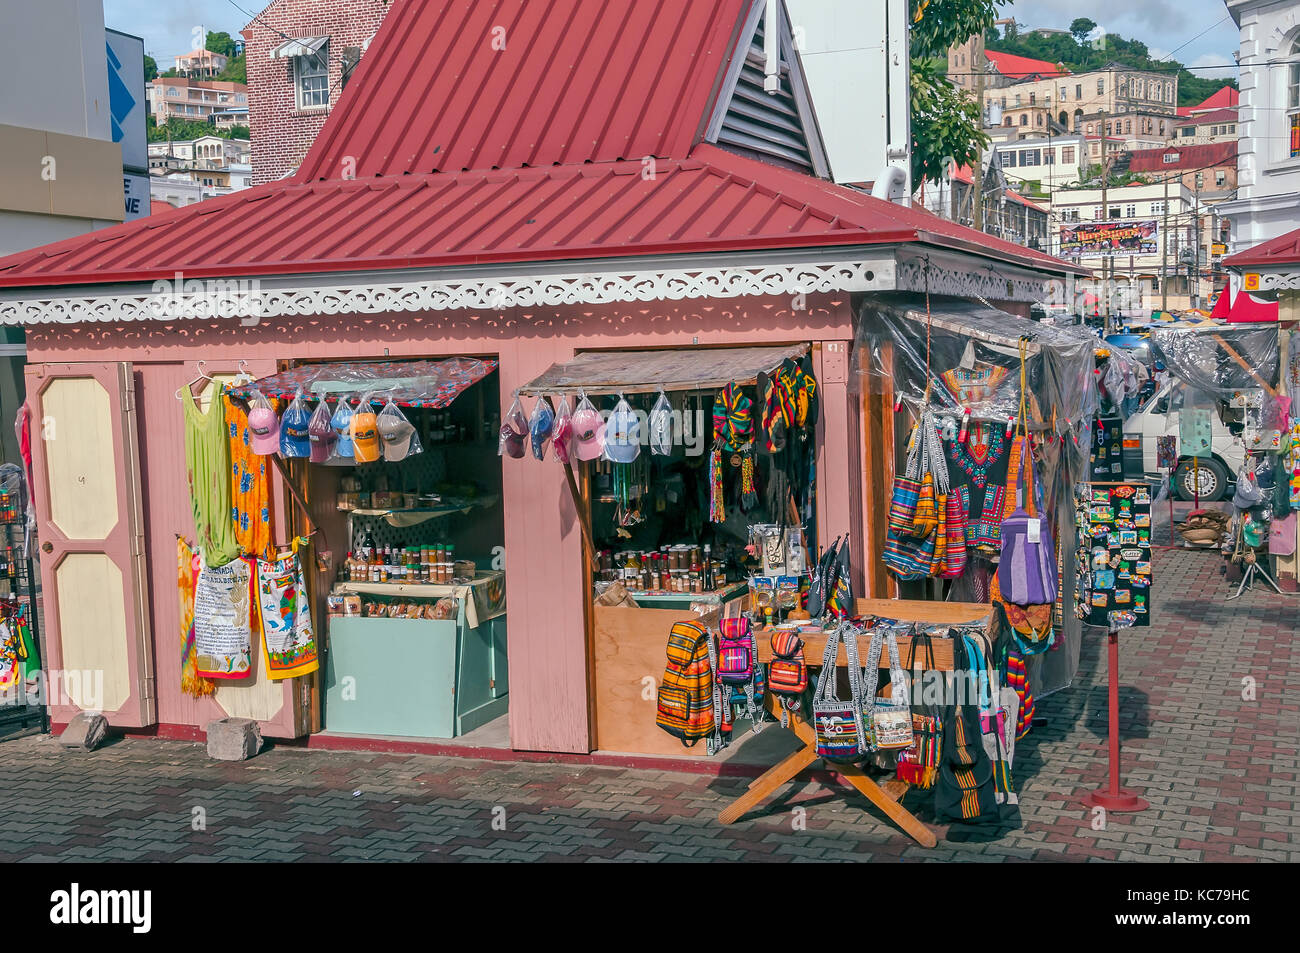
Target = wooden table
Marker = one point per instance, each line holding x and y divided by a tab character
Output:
886	795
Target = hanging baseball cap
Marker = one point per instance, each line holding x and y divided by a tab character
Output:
395	433
622	434
661	426
342	424
365	433
562	431
265	426
588	432
321	432
295	440
541	425
514	431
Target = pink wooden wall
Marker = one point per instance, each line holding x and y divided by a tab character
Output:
546	591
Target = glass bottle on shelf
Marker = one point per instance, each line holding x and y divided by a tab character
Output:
708	568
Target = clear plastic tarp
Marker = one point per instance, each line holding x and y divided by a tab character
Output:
432	384
962	361
1222	362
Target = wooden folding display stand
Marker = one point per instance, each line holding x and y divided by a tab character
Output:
886	795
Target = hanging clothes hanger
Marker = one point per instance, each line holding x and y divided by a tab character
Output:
242	377
202	377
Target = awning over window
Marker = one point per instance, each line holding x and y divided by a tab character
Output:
646	372
433	384
306	46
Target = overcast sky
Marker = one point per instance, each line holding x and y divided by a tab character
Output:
1164	25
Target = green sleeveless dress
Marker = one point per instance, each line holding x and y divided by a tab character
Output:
207	459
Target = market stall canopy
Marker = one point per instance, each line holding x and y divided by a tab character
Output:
647	372
432	384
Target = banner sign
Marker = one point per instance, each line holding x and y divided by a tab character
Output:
1104	239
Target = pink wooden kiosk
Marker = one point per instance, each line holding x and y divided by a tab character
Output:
603	185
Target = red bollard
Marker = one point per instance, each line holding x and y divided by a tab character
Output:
1115	798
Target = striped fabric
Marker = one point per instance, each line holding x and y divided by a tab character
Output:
1017	679
779	410
733	419
685	702
985	533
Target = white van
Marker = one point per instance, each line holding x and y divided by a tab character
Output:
1158	416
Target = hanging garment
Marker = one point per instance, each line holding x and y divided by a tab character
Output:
223	620
250	487
283	604
974	386
984	447
207	459
11	656
192	684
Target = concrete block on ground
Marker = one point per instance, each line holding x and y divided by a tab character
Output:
85	732
234	739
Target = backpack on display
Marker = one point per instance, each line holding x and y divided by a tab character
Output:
736	653
787	673
686	693
738	667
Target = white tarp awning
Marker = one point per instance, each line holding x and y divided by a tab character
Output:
306	46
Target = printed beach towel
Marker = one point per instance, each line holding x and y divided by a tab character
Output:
192	683
286	618
222	614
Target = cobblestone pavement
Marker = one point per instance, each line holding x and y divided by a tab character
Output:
1220	773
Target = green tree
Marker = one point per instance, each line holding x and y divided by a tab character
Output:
1081	27
946	123
236	70
150	68
221	43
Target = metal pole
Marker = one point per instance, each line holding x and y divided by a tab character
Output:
1164	258
977	212
1196	243
1114	798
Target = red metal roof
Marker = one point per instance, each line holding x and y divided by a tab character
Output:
1283	250
1223	97
1009	64
512	83
716	201
577	87
1212	116
964	174
1203	156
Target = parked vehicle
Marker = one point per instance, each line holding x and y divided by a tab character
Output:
1212	476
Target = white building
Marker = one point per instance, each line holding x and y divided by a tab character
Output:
1268	158
1051	162
1146	231
211	151
854	57
61	173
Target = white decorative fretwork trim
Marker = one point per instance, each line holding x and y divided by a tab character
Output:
943	280
251	301
1279	281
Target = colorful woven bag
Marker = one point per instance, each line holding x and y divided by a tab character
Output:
787	673
686	697
736	652
838	724
954	557
919	762
906	554
888	720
